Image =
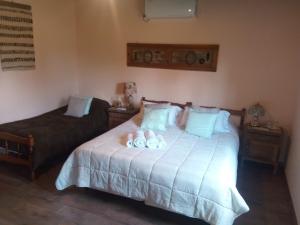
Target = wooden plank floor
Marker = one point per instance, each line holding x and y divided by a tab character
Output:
38	203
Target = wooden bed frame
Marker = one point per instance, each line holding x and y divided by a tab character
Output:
233	112
15	156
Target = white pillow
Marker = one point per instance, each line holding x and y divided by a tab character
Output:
88	105
223	123
174	111
151	105
184	116
201	124
155	119
76	107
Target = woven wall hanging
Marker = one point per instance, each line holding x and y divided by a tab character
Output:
16	36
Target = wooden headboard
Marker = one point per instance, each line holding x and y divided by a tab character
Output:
233	112
172	103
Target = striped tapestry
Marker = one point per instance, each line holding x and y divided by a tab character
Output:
16	36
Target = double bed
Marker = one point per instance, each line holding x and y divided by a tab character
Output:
192	176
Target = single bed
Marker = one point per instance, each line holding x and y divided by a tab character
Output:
193	176
33	142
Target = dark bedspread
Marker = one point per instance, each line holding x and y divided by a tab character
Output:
56	134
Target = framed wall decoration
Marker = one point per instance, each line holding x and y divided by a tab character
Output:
173	56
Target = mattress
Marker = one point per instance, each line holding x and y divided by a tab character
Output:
193	176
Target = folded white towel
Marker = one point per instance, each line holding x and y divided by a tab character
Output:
151	140
129	142
139	139
161	142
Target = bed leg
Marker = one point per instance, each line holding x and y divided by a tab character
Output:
33	175
32	171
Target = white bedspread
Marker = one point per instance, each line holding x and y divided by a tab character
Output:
193	176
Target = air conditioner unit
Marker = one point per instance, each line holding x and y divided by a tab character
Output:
155	9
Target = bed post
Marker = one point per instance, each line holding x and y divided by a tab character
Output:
189	104
243	115
31	143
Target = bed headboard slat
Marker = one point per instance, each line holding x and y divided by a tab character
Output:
161	102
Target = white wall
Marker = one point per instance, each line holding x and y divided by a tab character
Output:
28	93
257	60
293	166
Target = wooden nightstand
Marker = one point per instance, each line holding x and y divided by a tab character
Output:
117	117
262	145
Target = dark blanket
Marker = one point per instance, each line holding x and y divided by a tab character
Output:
56	134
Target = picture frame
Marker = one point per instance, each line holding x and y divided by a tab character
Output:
173	56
